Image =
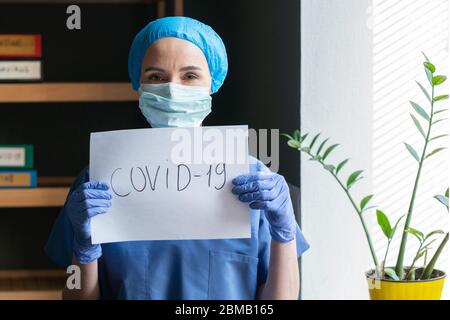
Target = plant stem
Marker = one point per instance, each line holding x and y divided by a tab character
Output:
385	257
401	253
363	223
430	267
414	261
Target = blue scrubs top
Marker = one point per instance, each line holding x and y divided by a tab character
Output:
175	269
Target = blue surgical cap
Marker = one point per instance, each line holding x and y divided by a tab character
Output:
184	28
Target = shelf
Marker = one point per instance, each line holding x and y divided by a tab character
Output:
35	197
67	92
31	284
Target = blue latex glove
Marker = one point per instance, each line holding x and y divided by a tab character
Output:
269	192
88	200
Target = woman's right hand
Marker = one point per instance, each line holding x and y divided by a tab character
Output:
88	200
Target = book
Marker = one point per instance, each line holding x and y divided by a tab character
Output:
16	156
20	46
20	70
18	179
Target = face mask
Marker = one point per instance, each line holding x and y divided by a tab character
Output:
174	105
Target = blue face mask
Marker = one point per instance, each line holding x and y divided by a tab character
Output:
174	105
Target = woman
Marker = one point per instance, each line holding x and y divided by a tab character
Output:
176	63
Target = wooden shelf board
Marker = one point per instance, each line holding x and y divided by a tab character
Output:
34	197
31	273
67	92
31	295
31	284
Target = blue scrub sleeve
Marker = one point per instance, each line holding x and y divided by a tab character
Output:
59	247
264	240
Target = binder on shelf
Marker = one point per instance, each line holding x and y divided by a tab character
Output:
20	70
20	46
18	156
18	179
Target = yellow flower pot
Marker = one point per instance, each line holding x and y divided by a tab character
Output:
406	290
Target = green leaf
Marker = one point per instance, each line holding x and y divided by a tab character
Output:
315	158
435	232
440	120
434	152
439	137
430	66
297	135
314	140
322	145
425	92
438	80
287	136
370	207
341	165
396	225
302	138
426	246
294	144
365	201
391	273
418	126
443	200
416	233
412	151
446	192
384	224
420	110
429	76
441	98
328	151
329	168
306	149
440	111
430	267
355	176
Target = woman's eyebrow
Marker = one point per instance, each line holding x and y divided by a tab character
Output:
189	68
154	69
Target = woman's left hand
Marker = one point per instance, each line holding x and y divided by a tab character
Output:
269	192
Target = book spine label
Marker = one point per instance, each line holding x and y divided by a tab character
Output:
16	156
20	70
20	46
18	179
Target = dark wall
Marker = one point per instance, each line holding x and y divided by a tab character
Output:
262	90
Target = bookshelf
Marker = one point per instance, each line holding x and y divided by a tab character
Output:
52	191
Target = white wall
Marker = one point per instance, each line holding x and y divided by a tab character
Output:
342	96
336	100
402	29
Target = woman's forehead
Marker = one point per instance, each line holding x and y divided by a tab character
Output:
174	50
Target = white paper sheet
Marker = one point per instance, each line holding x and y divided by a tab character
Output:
188	197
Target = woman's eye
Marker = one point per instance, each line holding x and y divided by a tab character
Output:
155	77
191	76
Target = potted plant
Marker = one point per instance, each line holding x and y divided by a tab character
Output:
419	279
